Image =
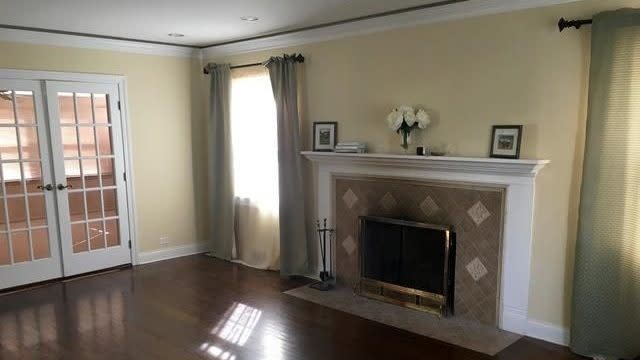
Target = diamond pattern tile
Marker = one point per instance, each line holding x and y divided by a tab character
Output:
388	202
432	202
478	213
476	269
429	207
350	198
349	245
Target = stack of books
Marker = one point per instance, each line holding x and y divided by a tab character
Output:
351	147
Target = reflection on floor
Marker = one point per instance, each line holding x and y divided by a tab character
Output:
200	308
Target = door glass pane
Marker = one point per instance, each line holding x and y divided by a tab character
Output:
90	171
87	141
104	140
83	108
33	173
21	248
96	235
17	212
79	237
40	239
112	233
29	142
37	210
12	177
110	203
76	206
72	172
9	143
5	255
6	107
106	171
66	109
94	205
100	108
70	141
25	107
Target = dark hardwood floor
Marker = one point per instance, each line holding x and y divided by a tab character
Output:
200	308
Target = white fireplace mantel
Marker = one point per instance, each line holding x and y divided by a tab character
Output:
516	176
490	166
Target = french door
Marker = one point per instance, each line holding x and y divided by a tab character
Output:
64	209
29	245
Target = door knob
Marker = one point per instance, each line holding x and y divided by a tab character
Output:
62	187
47	187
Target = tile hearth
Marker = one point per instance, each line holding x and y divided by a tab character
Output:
454	330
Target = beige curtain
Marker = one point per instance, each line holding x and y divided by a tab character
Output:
255	168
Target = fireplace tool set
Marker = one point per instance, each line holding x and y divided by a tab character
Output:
326	279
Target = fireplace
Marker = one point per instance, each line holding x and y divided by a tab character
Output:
488	201
407	263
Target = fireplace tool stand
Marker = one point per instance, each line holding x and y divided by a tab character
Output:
326	280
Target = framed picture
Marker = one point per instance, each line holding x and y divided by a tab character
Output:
324	136
505	141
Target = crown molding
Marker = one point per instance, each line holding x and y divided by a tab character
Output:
455	11
87	42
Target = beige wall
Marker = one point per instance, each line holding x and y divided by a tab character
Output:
502	69
162	105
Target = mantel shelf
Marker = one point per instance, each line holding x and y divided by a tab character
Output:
511	167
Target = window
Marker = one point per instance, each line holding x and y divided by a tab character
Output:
254	138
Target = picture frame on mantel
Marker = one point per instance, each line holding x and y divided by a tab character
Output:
506	141
325	136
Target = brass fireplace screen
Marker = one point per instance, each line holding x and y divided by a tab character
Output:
407	263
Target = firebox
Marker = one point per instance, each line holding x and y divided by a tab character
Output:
408	263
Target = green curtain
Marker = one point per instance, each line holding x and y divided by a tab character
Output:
221	198
294	255
606	296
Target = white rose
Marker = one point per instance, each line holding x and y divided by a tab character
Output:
423	119
410	118
406	109
394	120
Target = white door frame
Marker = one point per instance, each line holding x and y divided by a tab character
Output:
121	82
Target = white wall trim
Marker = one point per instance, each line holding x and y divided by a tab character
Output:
548	332
467	9
146	257
87	42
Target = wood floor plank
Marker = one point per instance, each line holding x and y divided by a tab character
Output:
197	307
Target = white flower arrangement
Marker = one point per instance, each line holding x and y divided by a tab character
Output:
404	119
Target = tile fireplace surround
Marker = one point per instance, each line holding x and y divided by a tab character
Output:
483	198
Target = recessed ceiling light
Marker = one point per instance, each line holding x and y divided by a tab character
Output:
176	35
249	18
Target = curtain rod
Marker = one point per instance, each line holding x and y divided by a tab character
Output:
563	23
297	58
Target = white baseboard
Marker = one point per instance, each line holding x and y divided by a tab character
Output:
171	252
517	321
548	332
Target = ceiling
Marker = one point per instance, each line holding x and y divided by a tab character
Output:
203	22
